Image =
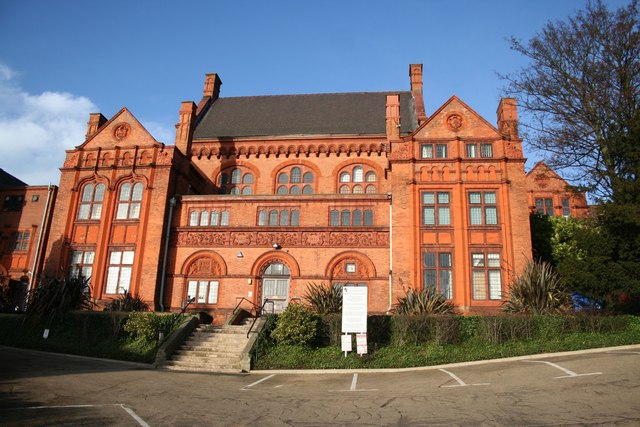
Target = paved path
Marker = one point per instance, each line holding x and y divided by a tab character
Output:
581	388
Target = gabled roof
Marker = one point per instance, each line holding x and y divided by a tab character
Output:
454	101
362	113
542	167
7	180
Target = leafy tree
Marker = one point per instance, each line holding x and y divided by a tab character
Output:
581	91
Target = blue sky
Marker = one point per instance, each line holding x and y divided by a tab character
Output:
61	60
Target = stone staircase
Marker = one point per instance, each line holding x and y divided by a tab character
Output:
223	348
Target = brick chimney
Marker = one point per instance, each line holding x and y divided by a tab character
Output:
96	120
184	128
211	90
508	118
415	74
393	117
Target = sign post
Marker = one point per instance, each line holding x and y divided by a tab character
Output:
354	317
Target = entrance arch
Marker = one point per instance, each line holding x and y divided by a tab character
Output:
276	281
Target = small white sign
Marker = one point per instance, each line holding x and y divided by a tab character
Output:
346	343
45	334
361	343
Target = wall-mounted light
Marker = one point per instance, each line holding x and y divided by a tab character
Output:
276	246
239	255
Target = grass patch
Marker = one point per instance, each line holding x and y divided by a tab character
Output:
541	335
94	334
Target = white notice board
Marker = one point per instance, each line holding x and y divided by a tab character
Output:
354	309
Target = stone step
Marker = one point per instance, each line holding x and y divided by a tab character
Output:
202	368
215	344
207	353
207	360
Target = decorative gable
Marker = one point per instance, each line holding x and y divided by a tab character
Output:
456	119
123	130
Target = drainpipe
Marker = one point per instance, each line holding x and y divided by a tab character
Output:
34	269
390	252
172	203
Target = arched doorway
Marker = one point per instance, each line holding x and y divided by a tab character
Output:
275	286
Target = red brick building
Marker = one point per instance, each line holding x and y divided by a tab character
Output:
259	196
551	195
25	214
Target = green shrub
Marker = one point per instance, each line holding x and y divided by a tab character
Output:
418	329
127	302
538	290
296	325
147	326
425	301
502	328
324	299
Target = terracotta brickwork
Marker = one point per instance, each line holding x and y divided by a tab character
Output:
549	194
261	196
25	215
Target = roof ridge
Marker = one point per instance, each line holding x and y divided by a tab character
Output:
313	94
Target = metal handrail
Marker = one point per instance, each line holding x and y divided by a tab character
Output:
255	307
259	314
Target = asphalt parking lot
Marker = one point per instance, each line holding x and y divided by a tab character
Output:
582	388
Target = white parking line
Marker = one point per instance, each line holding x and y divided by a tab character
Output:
129	411
570	374
134	416
247	387
458	380
354	385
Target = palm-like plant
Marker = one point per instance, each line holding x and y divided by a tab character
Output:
324	299
53	298
425	301
538	290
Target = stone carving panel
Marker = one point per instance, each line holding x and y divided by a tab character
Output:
247	238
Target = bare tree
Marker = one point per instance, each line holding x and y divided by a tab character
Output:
581	91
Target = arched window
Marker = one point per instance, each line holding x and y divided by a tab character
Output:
284	217
129	201
289	178
273	217
346	217
204	218
236	181
357	217
193	218
358	174
91	201
296	175
351	177
334	218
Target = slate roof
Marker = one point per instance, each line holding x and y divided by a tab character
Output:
362	113
8	180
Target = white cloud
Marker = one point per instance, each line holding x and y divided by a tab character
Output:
35	130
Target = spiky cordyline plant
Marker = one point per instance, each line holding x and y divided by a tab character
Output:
53	298
538	290
425	301
127	302
324	299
